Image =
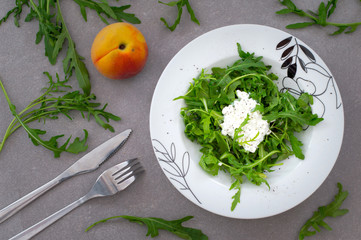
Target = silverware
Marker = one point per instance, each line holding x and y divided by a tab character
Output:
113	180
87	163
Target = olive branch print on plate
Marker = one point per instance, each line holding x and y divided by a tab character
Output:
305	74
177	170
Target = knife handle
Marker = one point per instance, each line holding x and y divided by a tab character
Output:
16	206
40	226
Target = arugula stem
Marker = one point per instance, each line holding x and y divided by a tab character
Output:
248	75
342	24
35	8
261	160
237	78
7	134
22	115
8	129
199	110
13	126
253	164
47	6
315	19
325	10
13	111
227	165
38	116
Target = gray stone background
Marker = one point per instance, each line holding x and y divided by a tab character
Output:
24	167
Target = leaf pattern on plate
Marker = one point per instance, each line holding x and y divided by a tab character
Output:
308	53
287	63
185	163
283	43
292	70
177	171
303	65
297	54
306	86
289	84
287	52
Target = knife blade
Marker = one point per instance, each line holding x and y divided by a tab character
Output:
87	163
98	155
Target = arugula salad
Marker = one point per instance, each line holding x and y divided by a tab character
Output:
204	117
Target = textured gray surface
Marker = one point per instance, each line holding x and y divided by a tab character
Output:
24	167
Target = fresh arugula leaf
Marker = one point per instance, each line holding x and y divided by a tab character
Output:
103	7
319	18
52	144
318	219
49	107
202	116
236	197
16	11
209	163
296	146
156	224
54	33
180	4
78	145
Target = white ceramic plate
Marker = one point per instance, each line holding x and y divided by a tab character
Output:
299	69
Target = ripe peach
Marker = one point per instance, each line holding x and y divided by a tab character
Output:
119	51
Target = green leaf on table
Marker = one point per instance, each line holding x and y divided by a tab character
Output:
284	11
74	61
19	4
322	14
48	106
180	4
78	145
103	8
325	10
331	6
53	31
317	221
52	144
156	224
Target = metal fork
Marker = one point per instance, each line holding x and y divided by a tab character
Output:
113	180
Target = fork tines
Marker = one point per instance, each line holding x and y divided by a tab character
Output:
126	170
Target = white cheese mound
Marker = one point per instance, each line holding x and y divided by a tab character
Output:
236	113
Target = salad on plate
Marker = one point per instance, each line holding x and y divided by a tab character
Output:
244	124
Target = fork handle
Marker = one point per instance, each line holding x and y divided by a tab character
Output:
40	226
16	206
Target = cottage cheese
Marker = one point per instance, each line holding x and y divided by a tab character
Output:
236	113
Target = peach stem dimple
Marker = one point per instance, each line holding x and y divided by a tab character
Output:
122	46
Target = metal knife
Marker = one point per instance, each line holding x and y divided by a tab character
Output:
87	163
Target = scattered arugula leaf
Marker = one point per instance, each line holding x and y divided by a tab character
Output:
330	210
180	4
202	116
103	7
155	224
317	18
49	107
53	30
16	11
